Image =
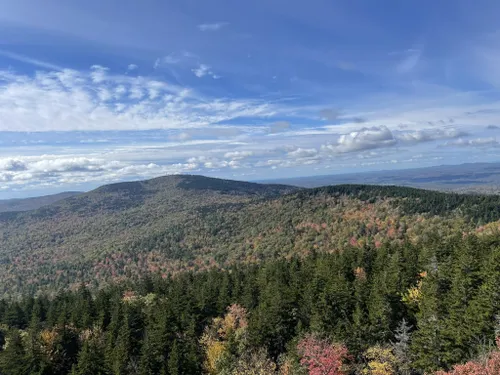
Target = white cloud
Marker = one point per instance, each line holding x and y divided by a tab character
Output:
303	153
477	142
410	60
363	139
74	169
202	70
29	60
132	67
238	155
97	100
175	58
136	92
212	26
428	135
98	73
158	128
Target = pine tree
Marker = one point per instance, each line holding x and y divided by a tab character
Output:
14	360
174	360
427	344
480	313
122	350
90	360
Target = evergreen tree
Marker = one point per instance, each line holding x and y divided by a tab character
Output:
122	350
174	360
14	360
90	360
427	344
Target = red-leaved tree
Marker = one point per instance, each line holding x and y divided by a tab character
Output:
321	357
490	367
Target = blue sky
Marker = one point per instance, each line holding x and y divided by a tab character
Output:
93	92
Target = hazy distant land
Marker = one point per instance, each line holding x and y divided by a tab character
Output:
471	177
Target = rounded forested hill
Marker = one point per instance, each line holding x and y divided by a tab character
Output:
175	223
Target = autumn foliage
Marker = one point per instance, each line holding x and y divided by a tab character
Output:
218	337
322	357
491	366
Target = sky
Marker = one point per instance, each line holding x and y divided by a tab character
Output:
94	92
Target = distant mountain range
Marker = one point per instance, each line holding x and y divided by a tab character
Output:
470	177
465	178
26	204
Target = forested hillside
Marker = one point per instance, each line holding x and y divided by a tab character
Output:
179	223
106	234
398	309
190	275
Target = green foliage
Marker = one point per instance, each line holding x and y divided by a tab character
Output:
406	279
354	297
179	223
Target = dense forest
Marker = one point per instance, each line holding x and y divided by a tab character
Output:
398	309
192	223
189	275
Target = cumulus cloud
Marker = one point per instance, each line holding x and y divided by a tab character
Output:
212	26
132	67
12	165
63	169
363	139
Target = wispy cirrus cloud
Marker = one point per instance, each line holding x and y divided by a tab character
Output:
409	60
212	26
29	60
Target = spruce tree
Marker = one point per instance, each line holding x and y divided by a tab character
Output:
14	360
90	360
174	360
428	344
